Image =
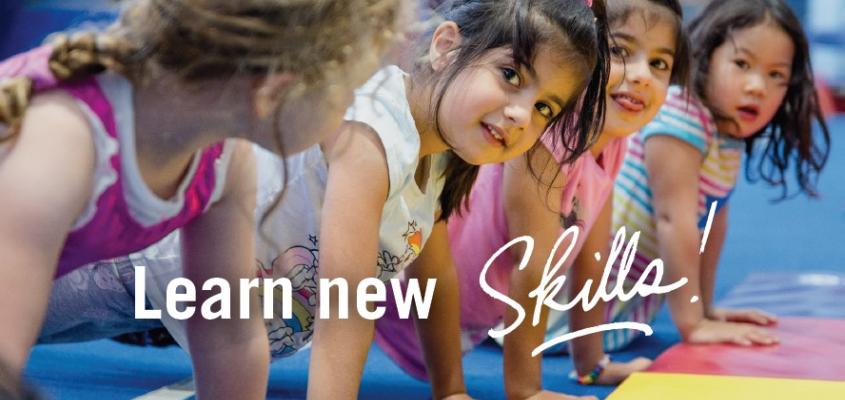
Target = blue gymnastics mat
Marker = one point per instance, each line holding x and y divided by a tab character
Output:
805	294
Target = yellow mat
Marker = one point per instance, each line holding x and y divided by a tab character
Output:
662	386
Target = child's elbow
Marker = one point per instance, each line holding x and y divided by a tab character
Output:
668	224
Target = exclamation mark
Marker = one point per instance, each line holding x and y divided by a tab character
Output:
708	225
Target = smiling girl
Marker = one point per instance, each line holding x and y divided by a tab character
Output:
509	200
752	92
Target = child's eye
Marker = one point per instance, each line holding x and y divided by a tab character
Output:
660	64
778	75
741	64
511	76
619	51
544	110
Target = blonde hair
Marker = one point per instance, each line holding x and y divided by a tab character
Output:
315	40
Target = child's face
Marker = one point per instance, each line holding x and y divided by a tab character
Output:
495	110
748	77
640	72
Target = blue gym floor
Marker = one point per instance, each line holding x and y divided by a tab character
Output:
794	236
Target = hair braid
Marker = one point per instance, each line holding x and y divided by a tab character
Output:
315	40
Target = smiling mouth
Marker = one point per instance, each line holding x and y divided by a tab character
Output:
628	102
748	113
493	136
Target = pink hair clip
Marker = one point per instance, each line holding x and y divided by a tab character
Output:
589	3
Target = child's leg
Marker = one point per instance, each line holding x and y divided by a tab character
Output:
94	302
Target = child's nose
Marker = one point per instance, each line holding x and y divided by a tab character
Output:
755	85
518	111
638	72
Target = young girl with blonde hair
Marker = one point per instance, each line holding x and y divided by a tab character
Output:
112	140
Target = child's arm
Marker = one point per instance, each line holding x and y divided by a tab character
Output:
710	257
440	333
709	263
673	171
587	351
355	194
46	174
230	357
530	209
673	168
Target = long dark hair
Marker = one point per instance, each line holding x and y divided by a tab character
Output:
522	25
789	135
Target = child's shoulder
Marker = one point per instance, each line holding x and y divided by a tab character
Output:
29	72
382	103
683	116
238	165
382	106
53	152
386	81
55	117
682	102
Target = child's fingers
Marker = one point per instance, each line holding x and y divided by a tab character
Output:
762	337
613	373
762	319
752	337
752	316
616	372
766	318
549	395
561	396
639	364
457	396
741	340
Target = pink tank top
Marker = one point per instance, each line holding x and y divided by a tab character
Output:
111	227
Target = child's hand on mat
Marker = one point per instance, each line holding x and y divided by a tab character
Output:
742	334
547	395
457	396
616	372
750	316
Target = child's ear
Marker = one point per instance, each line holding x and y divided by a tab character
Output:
268	92
446	38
